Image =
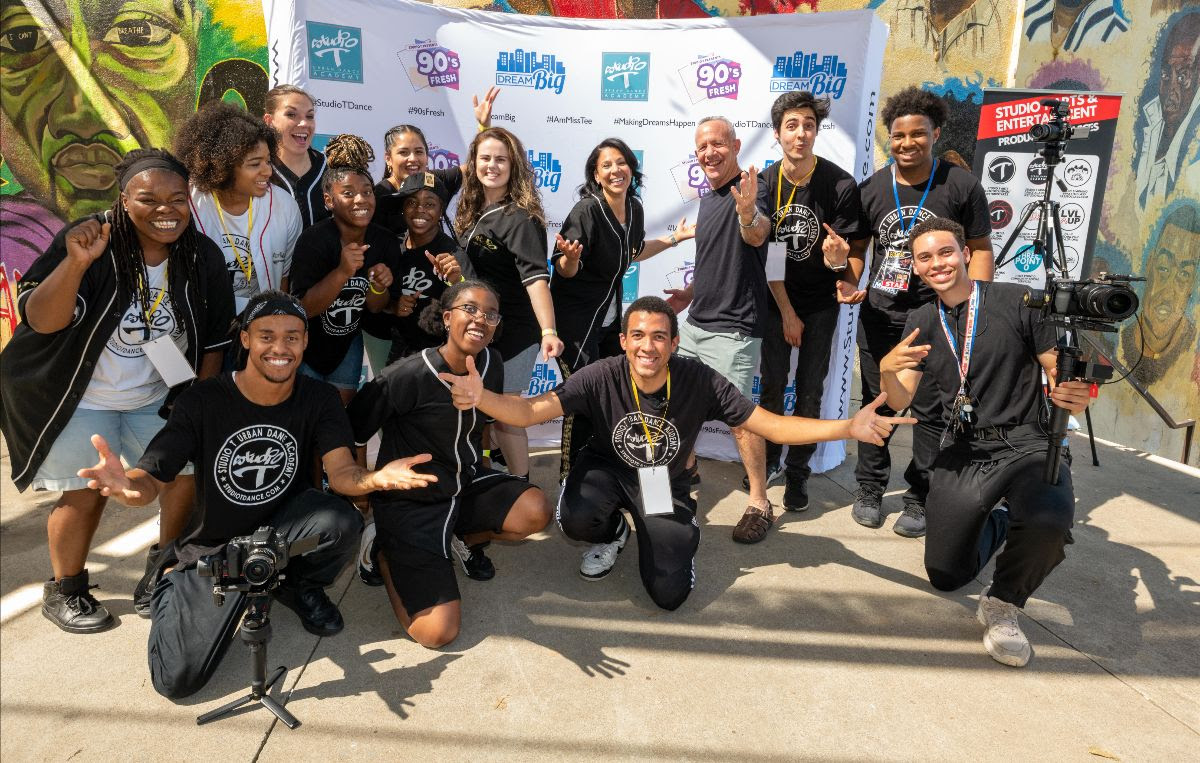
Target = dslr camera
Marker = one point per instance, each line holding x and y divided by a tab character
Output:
251	563
1058	129
1106	299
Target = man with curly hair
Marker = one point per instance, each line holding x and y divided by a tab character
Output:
915	187
228	153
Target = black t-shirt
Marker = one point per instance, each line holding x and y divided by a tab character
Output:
798	215
582	301
1004	377
414	409
414	273
318	252
601	391
507	248
389	211
250	459
305	190
730	280
956	194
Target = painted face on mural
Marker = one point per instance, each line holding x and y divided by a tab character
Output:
1180	74
85	81
1171	275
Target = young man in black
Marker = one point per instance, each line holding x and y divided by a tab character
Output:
252	435
913	188
982	353
653	404
814	212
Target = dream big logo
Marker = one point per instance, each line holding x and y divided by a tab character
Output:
711	77
820	75
430	65
525	68
255	464
631	446
334	52
625	77
547	171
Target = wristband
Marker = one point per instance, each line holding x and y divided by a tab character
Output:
753	220
375	291
480	127
549	332
837	268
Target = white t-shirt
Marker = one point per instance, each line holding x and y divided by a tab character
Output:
124	378
264	249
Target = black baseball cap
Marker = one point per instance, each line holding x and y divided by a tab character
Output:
423	181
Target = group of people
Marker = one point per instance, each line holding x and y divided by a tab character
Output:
210	329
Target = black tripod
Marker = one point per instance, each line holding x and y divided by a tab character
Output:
256	633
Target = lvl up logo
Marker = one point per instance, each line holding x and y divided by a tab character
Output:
334	52
804	72
625	77
711	77
525	68
430	65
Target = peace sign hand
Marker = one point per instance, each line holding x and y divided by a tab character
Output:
905	355
745	194
834	247
483	109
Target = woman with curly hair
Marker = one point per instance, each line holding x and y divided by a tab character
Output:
501	226
298	166
343	268
113	295
228	153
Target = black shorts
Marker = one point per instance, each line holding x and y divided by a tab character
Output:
424	578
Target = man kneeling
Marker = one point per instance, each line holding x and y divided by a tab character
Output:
652	405
253	436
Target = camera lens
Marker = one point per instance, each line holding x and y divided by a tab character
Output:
1110	302
259	567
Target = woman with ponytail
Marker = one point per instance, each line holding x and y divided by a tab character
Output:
298	166
119	301
343	267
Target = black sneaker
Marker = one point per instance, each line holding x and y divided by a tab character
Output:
69	604
693	474
868	506
795	495
474	562
911	524
774	474
143	592
318	614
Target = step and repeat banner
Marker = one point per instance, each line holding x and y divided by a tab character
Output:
566	84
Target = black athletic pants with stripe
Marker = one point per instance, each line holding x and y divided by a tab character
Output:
589	510
189	633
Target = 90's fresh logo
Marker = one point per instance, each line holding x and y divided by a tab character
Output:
710	77
334	52
430	65
690	180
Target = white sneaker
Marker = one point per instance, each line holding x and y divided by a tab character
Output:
1003	639
366	556
600	558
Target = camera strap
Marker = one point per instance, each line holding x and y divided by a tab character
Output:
963	414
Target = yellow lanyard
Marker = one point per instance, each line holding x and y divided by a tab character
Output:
154	308
638	403
779	187
246	267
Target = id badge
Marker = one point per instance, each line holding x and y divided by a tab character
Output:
168	360
895	272
776	260
656	490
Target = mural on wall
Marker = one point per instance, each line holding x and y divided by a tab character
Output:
1151	221
84	81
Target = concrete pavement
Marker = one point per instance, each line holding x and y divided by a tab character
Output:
822	642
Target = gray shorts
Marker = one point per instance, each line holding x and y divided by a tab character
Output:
733	355
518	369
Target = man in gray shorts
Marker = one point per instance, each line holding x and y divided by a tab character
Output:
724	326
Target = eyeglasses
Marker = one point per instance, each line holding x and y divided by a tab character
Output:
491	319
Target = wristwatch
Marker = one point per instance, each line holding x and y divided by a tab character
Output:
753	220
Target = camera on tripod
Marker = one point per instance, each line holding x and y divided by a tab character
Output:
1058	129
251	563
1106	299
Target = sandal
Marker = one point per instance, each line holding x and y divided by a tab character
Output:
754	524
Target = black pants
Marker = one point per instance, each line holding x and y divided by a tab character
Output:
589	509
876	338
189	633
604	342
812	365
963	531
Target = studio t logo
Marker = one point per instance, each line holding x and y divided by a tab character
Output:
341	317
631	445
334	52
255	464
625	77
1001	169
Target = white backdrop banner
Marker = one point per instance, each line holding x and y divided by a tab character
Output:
569	83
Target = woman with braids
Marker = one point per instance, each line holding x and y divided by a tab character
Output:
298	166
110	286
343	265
603	233
468	505
501	226
228	154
